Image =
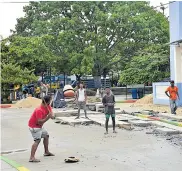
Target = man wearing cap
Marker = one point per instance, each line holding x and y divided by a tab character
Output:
172	93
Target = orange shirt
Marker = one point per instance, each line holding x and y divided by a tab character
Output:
172	92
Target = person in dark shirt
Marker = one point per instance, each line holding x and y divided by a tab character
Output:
109	102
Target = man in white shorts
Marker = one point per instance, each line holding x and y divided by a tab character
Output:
40	115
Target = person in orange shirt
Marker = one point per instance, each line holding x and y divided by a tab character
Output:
173	96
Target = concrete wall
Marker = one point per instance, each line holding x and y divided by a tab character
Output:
159	96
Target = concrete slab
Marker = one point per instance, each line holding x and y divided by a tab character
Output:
161	124
68	113
126	117
123	119
90	104
166	131
100	119
146	112
171	116
124	125
138	118
139	123
118	112
73	121
99	107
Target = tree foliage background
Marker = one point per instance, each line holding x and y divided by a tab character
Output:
13	74
90	37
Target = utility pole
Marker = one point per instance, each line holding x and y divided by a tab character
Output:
162	8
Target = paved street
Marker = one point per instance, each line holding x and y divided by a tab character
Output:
128	150
6	167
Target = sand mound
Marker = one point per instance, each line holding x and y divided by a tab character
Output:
145	100
28	102
93	99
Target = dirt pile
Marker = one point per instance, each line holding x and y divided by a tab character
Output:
93	99
156	108
28	103
146	103
145	100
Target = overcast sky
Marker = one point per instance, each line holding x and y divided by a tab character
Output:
9	12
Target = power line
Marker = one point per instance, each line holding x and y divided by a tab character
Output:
12	2
40	1
162	5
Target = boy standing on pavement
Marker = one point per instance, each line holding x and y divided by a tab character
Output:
173	95
40	115
43	89
81	98
109	102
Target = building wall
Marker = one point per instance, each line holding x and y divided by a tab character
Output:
175	18
159	96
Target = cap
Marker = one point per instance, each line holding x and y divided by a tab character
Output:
172	81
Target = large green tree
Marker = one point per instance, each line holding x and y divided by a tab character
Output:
88	37
13	74
150	65
28	52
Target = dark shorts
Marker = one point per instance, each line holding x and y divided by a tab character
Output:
108	116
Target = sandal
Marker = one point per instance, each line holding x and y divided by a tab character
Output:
48	154
34	161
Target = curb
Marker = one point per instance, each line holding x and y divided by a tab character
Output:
12	163
5	106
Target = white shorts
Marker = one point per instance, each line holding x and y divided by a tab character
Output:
38	133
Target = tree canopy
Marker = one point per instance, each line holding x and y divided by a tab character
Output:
152	65
13	74
88	37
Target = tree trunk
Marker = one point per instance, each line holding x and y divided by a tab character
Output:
64	78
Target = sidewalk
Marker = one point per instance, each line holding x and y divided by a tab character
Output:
6	167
